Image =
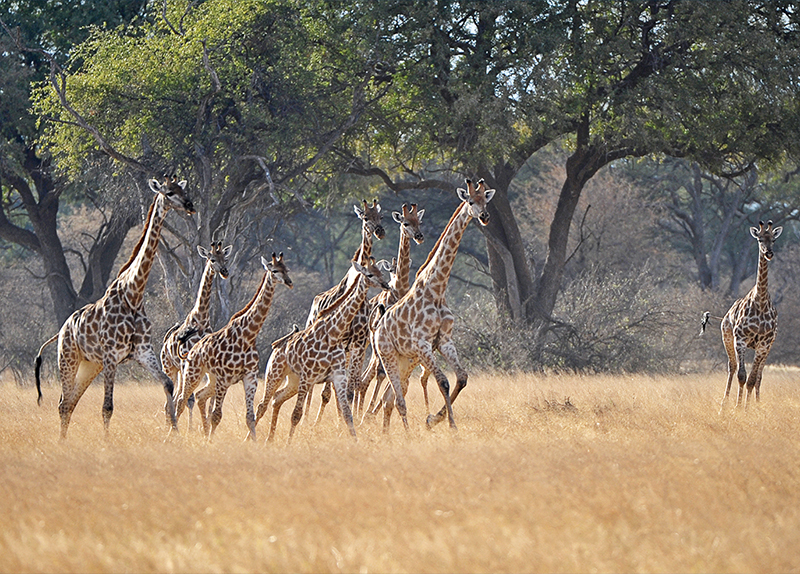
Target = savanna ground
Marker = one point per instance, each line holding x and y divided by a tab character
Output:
550	473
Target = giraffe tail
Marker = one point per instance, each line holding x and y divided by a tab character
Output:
37	367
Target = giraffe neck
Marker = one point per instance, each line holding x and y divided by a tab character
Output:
365	249
200	311
760	291
435	272
133	278
341	313
251	318
403	272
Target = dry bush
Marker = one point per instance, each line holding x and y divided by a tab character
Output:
546	473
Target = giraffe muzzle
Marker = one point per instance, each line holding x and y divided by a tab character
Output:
380	233
484	217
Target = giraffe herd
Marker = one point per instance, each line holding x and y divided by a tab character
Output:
405	324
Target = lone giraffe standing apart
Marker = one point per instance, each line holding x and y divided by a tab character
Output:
316	353
229	355
751	322
420	321
410	219
182	336
103	334
356	339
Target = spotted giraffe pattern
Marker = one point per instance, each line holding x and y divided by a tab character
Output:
115	328
410	219
751	322
182	336
229	355
421	321
316	353
355	341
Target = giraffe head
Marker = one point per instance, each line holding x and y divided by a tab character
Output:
371	217
217	256
409	220
174	192
477	197
277	269
766	236
373	272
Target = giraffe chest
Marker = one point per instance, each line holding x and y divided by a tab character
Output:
754	322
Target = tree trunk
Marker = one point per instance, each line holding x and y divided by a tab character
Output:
581	166
508	265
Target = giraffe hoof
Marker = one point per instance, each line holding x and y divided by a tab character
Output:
430	422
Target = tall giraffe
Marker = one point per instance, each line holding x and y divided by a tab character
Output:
317	353
751	322
420	321
103	334
229	355
409	219
197	324
370	216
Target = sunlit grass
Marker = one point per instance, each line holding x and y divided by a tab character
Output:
550	473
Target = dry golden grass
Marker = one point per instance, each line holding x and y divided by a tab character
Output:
637	475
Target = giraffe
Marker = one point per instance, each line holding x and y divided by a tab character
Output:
420	322
182	336
356	343
103	334
751	322
316	352
230	355
409	219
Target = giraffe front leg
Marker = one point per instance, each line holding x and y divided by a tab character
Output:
741	371
340	386
250	382
220	390
325	398
730	350
202	397
283	395
448	350
754	381
392	368
109	372
297	413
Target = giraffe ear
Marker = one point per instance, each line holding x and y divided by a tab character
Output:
359	211
463	194
754	232
155	186
182	184
397	216
227	251
266	264
420	213
776	232
360	268
203	252
489	195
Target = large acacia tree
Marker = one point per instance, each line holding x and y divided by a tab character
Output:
244	98
482	86
31	192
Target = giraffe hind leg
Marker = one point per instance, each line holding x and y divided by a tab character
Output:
75	379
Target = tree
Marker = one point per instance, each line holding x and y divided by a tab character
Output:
481	87
30	190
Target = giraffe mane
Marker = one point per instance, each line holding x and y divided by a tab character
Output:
244	309
439	241
141	240
335	305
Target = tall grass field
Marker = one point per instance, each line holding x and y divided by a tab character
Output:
545	474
